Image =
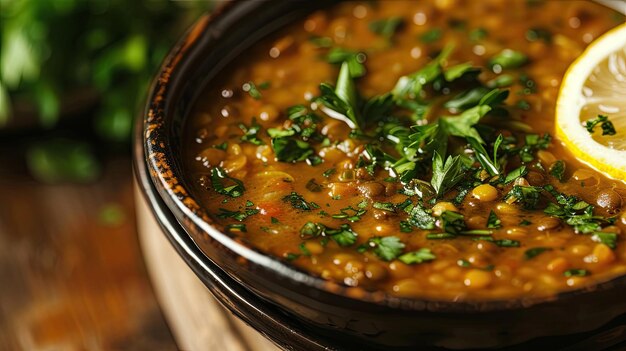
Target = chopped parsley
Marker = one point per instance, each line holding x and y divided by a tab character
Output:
557	170
299	203
386	27
350	213
251	133
252	90
608	239
576	273
535	251
224	184
415	257
431	36
386	248
237	215
353	60
343	236
506	59
493	222
605	124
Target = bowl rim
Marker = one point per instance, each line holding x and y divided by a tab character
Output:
192	217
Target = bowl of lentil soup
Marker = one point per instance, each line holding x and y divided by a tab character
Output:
386	171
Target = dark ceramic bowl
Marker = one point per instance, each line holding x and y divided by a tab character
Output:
291	307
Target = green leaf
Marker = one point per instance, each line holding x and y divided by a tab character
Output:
603	120
576	273
291	150
420	217
224	184
557	170
344	236
528	196
342	100
386	27
608	239
445	176
493	221
59	160
489	164
386	248
535	251
251	133
311	230
298	202
415	257
508	58
453	222
431	36
463	124
353	59
252	90
516	173
458	71
410	86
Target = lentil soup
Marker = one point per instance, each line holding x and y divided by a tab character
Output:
405	147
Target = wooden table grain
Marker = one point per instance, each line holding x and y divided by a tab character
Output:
72	275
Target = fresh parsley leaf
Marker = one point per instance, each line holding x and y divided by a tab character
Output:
453	222
431	36
506	59
445	176
415	257
608	239
344	236
603	120
291	150
304	250
237	215
516	173
535	251
252	89
251	133
341	102
224	184
409	87
313	186
384	206
223	146
311	230
386	248
478	34
298	202
528	196
557	170
352	59
536	33
576	273
463	124
489	164
420	217
327	173
493	222
386	27
350	213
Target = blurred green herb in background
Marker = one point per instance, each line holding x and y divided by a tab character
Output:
58	53
52	48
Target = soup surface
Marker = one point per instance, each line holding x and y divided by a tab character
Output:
404	147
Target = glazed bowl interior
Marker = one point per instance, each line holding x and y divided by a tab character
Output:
207	49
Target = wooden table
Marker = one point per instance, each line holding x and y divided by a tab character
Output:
72	275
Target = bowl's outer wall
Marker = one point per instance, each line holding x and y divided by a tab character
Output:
208	48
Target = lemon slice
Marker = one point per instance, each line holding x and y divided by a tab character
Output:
595	84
